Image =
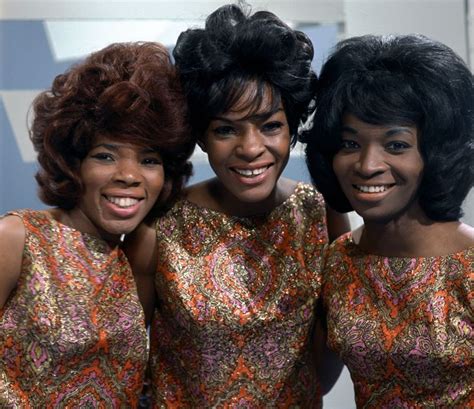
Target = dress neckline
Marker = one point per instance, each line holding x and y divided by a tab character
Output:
299	185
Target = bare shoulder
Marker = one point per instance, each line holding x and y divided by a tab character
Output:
12	242
287	186
466	234
12	237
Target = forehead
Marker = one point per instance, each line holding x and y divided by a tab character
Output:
119	142
253	103
353	124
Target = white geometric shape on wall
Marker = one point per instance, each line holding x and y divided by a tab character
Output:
72	39
17	104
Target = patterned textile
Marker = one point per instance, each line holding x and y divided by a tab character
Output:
72	333
403	326
237	299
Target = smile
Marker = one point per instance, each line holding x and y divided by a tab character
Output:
250	172
373	188
122	202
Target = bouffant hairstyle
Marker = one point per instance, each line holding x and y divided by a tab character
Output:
399	80
236	49
128	91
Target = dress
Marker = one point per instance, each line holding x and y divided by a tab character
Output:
236	306
403	326
72	333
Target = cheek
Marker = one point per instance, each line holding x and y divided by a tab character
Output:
155	181
338	166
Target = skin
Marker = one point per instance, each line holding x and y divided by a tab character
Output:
387	160
248	153
128	175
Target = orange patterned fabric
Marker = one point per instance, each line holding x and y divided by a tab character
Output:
236	306
72	332
403	326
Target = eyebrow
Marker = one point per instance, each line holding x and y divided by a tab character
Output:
391	132
116	147
252	118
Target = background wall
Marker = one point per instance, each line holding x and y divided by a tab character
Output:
40	39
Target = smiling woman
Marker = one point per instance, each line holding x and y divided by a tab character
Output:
393	139
112	148
236	261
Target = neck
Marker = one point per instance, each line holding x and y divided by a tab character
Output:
225	202
76	220
414	238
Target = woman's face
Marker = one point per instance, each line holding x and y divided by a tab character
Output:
379	169
248	151
121	183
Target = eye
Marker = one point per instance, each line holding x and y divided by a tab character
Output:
397	146
224	130
152	161
102	156
348	145
272	127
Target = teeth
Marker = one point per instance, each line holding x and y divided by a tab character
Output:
249	172
372	189
122	201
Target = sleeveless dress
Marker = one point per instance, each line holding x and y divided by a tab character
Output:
72	333
403	326
236	306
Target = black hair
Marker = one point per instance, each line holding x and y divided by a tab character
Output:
407	80
235	48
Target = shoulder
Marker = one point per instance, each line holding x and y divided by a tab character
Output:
12	227
12	242
341	247
307	194
466	233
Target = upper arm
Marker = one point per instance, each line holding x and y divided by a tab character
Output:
141	251
12	243
328	364
338	223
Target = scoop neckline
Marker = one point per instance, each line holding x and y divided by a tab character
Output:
299	185
373	255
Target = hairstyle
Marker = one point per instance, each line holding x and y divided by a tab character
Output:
235	49
128	91
405	80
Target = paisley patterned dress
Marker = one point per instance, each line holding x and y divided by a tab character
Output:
236	306
403	326
72	333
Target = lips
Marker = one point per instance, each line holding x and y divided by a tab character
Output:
373	188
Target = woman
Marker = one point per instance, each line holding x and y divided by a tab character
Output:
393	140
237	259
110	140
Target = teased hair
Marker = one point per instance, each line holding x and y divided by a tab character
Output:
234	49
128	91
404	80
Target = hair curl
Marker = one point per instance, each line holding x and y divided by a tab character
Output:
405	80
217	63
128	91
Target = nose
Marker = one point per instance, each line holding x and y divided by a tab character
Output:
251	144
370	162
128	172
